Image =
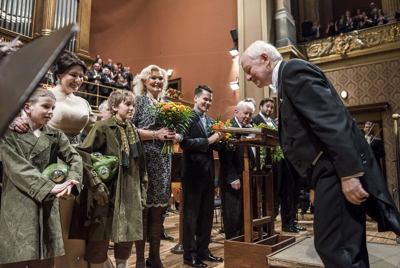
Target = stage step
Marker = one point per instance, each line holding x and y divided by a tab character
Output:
302	254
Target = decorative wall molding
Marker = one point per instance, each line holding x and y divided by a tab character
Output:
345	44
374	85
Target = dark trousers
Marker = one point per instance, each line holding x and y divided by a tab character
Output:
288	192
232	210
198	210
96	251
339	226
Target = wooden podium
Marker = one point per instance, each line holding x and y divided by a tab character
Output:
259	239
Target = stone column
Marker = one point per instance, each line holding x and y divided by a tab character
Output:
49	12
389	7
83	36
254	23
285	29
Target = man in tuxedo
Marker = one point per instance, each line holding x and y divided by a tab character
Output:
375	142
198	181
286	183
93	76
322	142
267	107
230	176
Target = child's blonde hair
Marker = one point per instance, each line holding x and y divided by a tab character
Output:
40	92
119	96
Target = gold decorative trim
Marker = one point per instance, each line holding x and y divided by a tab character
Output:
10	35
345	43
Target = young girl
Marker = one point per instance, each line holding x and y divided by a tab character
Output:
115	206
30	232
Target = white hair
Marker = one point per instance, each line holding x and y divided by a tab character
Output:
103	106
259	47
245	104
139	88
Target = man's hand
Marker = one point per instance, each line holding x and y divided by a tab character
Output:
217	136
235	185
353	191
177	138
312	196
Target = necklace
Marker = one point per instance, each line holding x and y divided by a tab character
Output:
152	99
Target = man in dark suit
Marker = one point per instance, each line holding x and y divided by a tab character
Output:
94	76
267	107
286	183
322	142
375	142
230	175
198	182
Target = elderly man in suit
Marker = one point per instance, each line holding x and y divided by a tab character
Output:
198	181
230	177
322	142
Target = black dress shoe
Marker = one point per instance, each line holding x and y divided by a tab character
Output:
165	236
299	227
210	257
148	263
290	229
195	262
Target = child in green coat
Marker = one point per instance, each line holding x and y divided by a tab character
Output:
30	232
114	205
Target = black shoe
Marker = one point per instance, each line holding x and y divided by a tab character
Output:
165	236
299	227
195	262
148	263
290	229
210	257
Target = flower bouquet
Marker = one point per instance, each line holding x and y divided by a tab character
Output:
174	116
173	93
218	125
276	153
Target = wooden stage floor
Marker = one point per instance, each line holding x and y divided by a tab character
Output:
171	260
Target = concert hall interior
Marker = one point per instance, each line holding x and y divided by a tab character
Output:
166	135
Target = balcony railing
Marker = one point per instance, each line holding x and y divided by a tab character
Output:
345	44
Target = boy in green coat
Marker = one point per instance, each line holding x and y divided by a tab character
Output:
30	233
114	206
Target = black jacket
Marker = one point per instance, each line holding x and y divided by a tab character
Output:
198	161
313	119
231	161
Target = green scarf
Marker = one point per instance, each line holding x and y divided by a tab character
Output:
130	141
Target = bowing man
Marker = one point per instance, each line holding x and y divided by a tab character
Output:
320	139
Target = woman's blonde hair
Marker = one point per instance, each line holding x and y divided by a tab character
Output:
139	88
